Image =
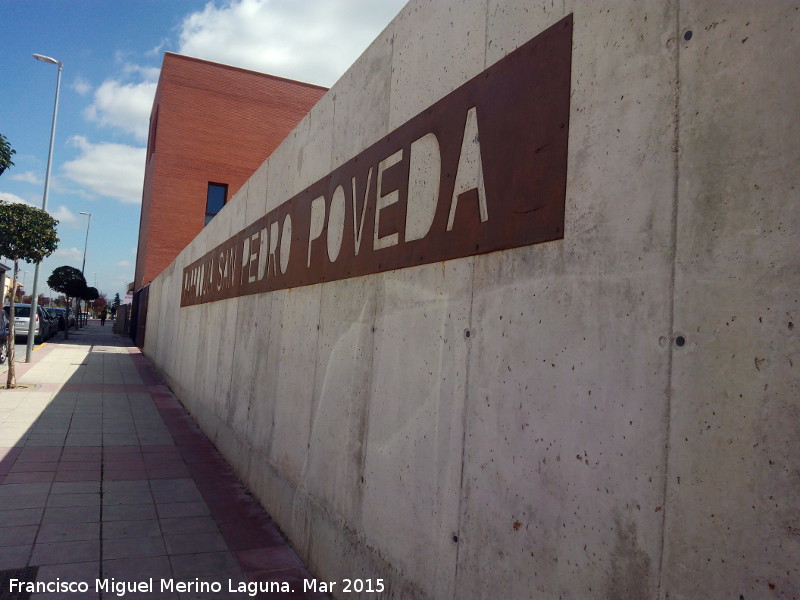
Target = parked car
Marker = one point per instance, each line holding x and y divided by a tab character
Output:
65	315
22	313
3	336
53	316
61	317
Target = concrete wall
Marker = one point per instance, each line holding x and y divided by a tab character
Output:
525	424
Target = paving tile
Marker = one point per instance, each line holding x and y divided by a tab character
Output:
39	454
89	595
19	535
75	487
124	474
50	553
37	477
34	467
138	569
191	543
82	453
130	497
127	529
175	490
72	514
120	449
22	489
31	500
129	512
127	462
126	486
22	516
68	532
63	500
164	451
207	565
93	475
115	439
73	572
79	465
168	472
14	557
202	524
182	509
133	547
206	594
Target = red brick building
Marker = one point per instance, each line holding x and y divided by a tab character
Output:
211	127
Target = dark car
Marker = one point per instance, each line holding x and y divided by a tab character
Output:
61	317
54	320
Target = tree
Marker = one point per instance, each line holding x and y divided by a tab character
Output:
6	152
90	295
117	301
100	302
26	233
70	282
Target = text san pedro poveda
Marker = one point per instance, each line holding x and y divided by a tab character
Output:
483	169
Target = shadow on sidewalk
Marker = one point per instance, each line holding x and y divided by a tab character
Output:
104	478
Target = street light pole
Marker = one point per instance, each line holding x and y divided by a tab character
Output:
83	264
34	292
86	241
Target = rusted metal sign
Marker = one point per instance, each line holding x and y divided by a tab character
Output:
484	169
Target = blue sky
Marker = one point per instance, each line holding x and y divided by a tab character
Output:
112	52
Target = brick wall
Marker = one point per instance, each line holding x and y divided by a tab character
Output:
214	123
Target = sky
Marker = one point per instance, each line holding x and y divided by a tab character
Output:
112	52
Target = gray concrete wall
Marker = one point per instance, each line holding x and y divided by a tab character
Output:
568	446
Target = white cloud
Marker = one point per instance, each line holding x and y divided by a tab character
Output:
300	39
68	254
27	177
8	197
81	86
124	263
157	50
124	106
148	74
106	169
64	215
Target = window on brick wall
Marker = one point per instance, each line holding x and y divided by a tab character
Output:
215	199
151	142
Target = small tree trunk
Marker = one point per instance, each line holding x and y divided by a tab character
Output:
11	382
66	320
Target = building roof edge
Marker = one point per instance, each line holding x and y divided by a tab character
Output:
232	67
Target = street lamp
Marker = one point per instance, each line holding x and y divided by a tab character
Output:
83	265
86	241
34	293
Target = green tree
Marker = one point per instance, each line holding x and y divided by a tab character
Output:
26	233
6	152
68	281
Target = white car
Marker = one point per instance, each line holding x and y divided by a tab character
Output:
22	313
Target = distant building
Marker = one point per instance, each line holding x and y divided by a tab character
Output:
211	127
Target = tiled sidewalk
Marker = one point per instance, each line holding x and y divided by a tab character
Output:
104	476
